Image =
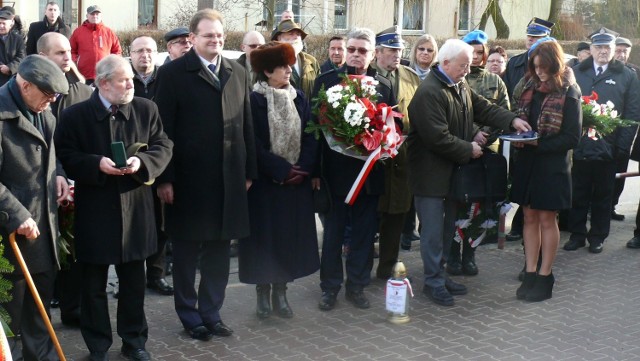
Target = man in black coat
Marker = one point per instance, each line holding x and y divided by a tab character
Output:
340	172
11	47
56	47
52	22
204	104
31	184
143	61
114	219
337	53
593	171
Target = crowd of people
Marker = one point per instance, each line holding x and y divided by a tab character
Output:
211	154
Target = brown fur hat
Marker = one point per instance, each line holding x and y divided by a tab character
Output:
272	55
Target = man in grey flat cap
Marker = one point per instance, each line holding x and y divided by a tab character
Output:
178	43
31	185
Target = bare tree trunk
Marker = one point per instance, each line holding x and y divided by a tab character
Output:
638	18
494	11
554	12
270	6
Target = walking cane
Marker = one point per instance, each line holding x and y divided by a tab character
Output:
36	296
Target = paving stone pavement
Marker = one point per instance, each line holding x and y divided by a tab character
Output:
594	315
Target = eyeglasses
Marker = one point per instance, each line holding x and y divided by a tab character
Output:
361	51
428	50
145	51
253	46
49	95
213	36
182	42
496	61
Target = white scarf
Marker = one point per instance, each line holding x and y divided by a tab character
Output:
284	121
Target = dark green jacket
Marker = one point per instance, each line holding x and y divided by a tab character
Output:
442	131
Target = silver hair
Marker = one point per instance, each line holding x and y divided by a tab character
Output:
452	48
425	38
108	66
362	34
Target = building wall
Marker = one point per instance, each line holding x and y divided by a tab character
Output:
440	16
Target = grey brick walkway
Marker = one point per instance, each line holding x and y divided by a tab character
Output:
594	315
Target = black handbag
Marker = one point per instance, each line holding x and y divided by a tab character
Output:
482	179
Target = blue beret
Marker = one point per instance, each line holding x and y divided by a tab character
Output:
538	42
476	37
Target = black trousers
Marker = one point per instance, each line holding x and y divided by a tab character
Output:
26	319
391	226
68	287
618	186
157	261
363	219
592	189
94	311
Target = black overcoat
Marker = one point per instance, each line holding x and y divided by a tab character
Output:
114	219
283	243
542	174
340	171
39	28
28	171
214	151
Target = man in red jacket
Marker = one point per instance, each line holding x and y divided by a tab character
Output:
91	42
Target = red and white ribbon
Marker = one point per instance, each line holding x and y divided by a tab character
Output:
362	177
391	141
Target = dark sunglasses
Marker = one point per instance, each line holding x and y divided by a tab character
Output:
361	51
253	46
428	50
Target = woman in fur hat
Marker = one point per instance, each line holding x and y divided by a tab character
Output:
283	244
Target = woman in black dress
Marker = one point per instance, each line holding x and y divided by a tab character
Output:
283	244
550	102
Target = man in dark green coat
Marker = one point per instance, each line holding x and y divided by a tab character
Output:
442	113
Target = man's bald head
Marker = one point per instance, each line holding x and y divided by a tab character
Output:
251	41
56	48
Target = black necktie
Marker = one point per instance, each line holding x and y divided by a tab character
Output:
599	71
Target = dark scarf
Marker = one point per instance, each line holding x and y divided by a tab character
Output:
551	111
34	118
52	27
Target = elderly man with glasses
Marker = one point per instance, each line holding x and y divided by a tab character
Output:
31	185
178	43
340	172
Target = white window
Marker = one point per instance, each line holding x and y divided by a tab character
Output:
463	16
412	14
340	15
147	13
